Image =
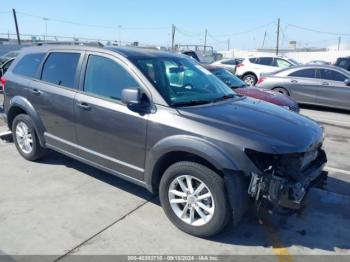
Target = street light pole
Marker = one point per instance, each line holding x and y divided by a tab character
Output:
120	34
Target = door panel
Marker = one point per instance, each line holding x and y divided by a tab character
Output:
303	85
111	135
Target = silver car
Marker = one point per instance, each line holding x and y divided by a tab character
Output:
311	84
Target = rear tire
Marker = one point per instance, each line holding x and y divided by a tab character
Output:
281	90
204	216
250	79
26	139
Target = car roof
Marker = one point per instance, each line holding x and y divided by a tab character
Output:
314	66
127	52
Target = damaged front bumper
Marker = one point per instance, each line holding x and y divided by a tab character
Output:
278	189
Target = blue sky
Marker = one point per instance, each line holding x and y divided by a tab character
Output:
150	21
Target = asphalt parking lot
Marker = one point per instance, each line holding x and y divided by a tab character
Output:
60	207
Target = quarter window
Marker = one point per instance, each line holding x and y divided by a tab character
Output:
307	73
106	78
332	75
29	64
60	69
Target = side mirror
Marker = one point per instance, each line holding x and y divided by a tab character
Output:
347	82
133	99
131	96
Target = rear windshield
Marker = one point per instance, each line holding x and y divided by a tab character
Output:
29	64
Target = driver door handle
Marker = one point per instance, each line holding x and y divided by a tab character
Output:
84	106
35	91
325	83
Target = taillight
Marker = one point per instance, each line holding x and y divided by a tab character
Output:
261	79
239	65
3	82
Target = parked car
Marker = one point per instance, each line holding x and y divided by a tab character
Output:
312	84
8	56
229	64
252	67
3	68
244	89
318	62
163	122
343	62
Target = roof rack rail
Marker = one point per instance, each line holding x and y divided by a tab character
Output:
96	44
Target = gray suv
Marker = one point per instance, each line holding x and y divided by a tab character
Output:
163	122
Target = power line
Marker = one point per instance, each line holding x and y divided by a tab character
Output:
92	25
247	31
318	31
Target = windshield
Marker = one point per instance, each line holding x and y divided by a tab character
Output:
295	62
228	78
182	82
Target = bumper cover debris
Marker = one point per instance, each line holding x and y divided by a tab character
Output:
279	192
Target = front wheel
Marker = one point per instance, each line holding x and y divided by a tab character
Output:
250	79
281	90
193	198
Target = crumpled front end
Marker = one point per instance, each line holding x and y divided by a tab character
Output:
285	179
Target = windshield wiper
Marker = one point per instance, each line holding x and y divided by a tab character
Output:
224	97
191	103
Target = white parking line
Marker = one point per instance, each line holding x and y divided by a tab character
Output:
332	169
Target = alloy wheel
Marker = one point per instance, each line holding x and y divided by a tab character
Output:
24	138
191	200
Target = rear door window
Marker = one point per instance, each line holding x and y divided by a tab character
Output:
306	73
60	69
267	61
332	75
29	64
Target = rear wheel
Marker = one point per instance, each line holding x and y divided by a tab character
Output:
281	90
194	199
26	139
250	79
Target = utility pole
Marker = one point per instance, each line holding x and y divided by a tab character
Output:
205	40
45	21
278	36
228	44
263	43
339	41
16	24
173	31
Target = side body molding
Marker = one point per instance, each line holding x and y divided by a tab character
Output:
25	105
187	144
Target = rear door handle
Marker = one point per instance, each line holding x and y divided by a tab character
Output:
294	81
35	91
84	106
325	83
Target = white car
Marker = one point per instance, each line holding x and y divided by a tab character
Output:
229	64
251	68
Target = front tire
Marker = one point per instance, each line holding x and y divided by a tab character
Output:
281	90
26	139
193	198
250	79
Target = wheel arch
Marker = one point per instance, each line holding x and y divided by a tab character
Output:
20	105
183	148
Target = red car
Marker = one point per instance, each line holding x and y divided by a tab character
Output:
242	88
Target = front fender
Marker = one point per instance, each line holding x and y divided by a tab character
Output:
188	144
25	105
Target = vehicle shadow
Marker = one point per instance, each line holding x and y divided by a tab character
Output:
324	224
325	109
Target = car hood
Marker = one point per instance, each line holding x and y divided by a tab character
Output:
266	95
257	125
